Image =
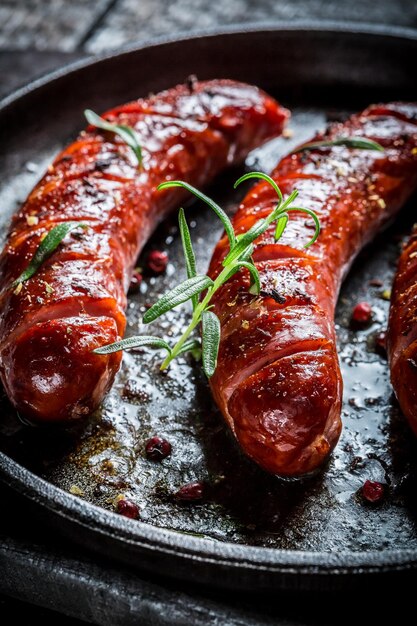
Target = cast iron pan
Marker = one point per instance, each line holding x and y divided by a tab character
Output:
253	530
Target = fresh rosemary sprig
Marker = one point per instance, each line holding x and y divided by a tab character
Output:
360	143
239	257
47	246
126	133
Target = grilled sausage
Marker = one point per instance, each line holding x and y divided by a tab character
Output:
402	332
278	382
76	301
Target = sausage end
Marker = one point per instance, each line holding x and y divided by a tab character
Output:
287	415
50	372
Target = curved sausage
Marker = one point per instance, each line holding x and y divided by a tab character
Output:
278	382
76	301
402	331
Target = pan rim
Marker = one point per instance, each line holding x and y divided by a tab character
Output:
171	542
310	26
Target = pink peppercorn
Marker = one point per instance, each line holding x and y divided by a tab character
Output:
128	509
157	448
373	491
361	314
157	261
135	281
191	492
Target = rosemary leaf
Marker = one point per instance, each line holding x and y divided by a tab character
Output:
255	287
238	265
281	225
245	240
192	345
361	143
281	209
134	342
262	176
47	246
201	196
181	293
126	133
247	254
313	215
188	250
211	341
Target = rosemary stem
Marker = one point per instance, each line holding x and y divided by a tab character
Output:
195	320
175	350
238	257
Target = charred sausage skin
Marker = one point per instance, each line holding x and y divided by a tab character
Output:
77	299
278	382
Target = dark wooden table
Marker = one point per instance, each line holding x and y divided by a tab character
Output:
37	36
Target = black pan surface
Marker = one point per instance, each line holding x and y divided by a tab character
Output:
252	530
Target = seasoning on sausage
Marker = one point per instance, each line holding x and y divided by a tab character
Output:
50	324
278	382
402	331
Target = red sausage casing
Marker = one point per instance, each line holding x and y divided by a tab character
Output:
278	381
76	301
402	331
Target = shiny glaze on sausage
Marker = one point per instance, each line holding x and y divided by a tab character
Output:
76	301
402	331
278	382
